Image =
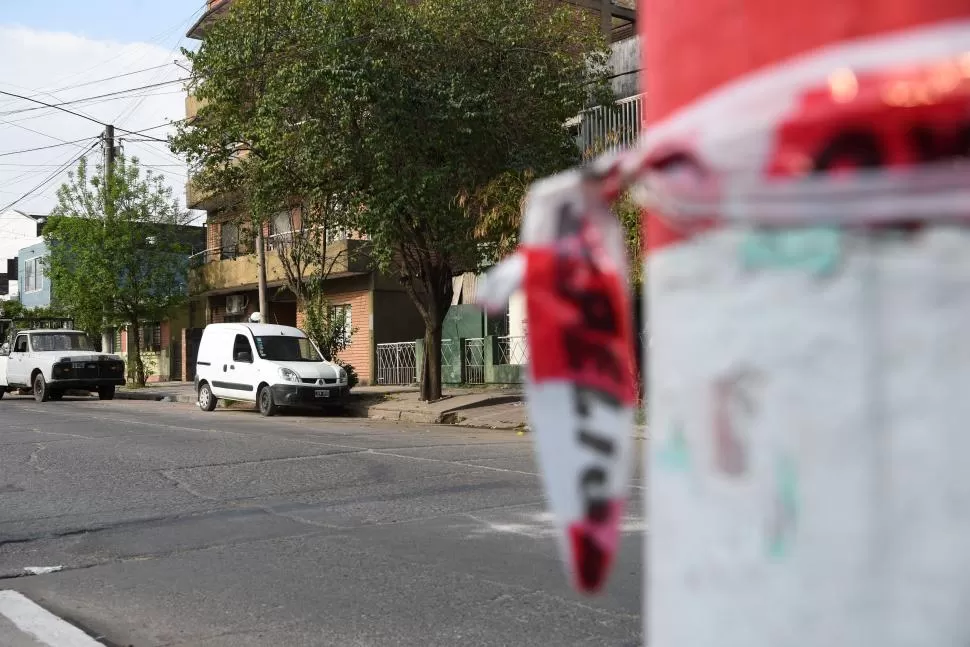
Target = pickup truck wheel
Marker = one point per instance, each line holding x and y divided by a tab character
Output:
266	405
106	392
207	401
41	392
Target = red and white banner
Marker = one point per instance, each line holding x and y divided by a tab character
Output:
581	377
805	168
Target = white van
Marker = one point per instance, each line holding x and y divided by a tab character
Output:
273	366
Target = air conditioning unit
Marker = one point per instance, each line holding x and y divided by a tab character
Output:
235	304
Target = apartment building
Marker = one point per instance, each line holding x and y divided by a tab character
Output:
223	281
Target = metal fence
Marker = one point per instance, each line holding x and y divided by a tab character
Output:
607	128
512	351
450	353
397	363
475	360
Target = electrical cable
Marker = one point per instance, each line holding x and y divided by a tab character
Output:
76	114
51	177
43	148
60	105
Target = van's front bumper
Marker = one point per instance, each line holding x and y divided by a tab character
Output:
295	394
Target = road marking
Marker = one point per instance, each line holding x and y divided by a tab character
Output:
41	624
539	525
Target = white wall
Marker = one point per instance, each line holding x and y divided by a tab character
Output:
518	323
17	231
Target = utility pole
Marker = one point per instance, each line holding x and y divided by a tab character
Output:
109	168
261	271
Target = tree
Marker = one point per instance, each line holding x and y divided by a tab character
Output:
117	253
249	144
405	110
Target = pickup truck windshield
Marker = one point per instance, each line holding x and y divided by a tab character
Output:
48	341
287	349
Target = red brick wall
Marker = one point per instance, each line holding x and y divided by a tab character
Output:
355	293
166	331
359	352
213	235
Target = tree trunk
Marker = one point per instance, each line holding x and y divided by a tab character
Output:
137	367
431	371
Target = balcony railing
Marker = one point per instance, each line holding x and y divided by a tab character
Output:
234	266
608	128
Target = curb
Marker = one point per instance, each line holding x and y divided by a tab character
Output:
152	397
363	406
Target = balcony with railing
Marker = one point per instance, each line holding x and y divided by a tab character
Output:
234	265
608	128
198	198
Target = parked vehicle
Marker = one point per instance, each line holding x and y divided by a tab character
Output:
49	362
273	366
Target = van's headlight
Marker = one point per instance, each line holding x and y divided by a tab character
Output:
289	375
342	375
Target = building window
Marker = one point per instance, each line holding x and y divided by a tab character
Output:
280	230
33	275
151	337
341	317
230	240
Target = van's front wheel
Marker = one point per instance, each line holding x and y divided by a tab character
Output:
207	401
266	405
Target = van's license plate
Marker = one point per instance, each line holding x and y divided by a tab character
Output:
322	393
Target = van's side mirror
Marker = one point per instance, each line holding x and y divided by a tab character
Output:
244	356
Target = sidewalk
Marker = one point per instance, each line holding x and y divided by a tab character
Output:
480	407
488	407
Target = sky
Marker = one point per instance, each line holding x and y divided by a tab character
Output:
65	50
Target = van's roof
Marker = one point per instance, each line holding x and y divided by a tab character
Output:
50	331
260	330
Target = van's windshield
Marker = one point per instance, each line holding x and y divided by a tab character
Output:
287	349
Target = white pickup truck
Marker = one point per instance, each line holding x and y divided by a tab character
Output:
48	363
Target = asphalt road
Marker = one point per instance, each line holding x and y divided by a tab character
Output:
179	527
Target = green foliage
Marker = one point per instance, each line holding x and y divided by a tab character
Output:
327	328
116	253
11	309
406	110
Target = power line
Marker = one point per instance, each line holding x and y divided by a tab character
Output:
51	177
71	112
107	78
42	148
36	132
55	165
124	49
43	113
44	104
163	151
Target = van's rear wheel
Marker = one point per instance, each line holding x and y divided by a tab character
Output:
106	392
207	401
266	405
